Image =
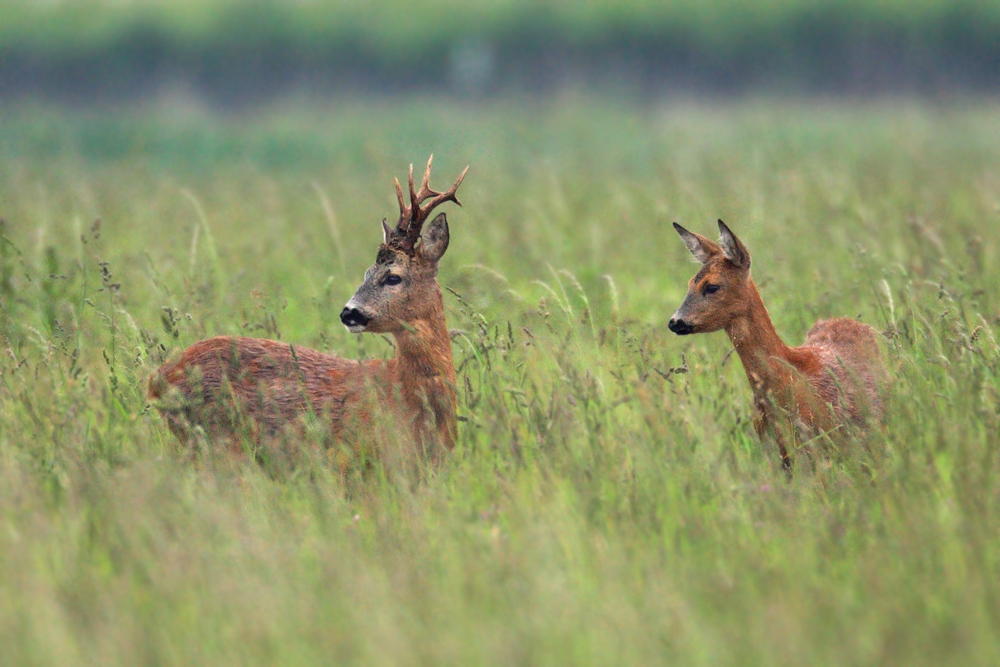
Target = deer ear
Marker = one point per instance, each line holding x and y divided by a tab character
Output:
434	239
734	250
386	231
700	247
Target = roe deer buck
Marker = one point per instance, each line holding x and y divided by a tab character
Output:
798	392
269	384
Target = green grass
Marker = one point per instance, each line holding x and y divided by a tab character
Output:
599	508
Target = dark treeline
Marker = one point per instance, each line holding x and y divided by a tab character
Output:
249	53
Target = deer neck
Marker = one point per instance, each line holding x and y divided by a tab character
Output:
764	355
423	349
425	372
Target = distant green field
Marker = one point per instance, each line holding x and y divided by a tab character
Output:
608	502
397	27
234	48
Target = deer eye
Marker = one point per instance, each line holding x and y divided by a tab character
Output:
711	289
392	279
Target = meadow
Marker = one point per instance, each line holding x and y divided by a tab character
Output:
608	501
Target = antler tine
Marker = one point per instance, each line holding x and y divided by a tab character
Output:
425	184
425	191
414	200
453	190
403	213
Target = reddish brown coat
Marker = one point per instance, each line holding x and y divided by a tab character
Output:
231	386
832	380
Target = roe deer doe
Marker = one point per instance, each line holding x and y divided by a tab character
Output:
225	381
798	392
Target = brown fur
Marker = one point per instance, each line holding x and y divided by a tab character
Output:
832	380
258	387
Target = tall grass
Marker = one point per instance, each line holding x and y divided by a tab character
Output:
608	501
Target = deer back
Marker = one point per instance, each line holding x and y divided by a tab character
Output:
854	375
222	382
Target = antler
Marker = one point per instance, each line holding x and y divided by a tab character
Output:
412	217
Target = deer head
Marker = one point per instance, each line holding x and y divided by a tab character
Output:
720	291
400	287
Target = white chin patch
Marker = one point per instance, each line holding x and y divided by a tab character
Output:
356	328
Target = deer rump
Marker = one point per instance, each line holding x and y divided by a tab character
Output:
851	378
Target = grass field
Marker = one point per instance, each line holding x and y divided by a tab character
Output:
608	502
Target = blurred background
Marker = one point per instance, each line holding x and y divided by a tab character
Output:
171	171
234	53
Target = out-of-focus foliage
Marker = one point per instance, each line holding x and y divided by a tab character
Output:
721	43
397	27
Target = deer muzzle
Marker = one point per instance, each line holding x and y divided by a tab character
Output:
354	319
679	326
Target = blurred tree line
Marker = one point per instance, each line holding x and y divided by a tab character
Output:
239	51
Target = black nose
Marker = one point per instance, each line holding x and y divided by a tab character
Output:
352	317
680	327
